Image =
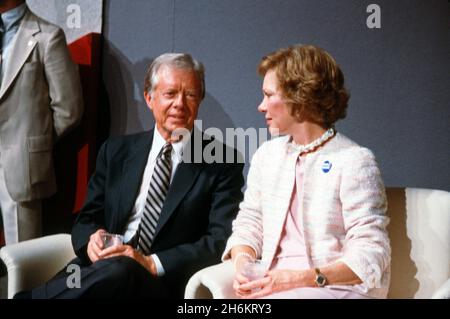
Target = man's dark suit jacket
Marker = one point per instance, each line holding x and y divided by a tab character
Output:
195	221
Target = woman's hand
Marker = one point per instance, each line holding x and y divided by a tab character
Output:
239	279
238	282
275	281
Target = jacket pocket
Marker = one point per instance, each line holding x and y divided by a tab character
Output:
41	158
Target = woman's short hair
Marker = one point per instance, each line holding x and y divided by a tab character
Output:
311	82
177	60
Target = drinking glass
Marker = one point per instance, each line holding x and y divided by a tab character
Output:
111	240
254	270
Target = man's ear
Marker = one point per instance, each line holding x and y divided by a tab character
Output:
148	99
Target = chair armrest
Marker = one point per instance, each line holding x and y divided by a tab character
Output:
212	282
443	292
33	262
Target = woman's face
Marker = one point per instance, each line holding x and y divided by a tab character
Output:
278	118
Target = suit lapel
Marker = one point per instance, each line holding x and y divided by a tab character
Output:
132	173
182	182
23	44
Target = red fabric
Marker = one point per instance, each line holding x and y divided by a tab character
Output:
2	238
86	53
82	49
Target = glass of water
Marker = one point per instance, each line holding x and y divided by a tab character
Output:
254	270
110	240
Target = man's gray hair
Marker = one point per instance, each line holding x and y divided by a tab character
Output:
177	60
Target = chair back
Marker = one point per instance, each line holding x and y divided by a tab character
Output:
419	231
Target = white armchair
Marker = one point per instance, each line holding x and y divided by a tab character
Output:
420	238
212	282
33	262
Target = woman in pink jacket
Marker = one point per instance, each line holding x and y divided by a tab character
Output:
314	208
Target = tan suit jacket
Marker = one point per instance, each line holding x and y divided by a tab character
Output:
40	100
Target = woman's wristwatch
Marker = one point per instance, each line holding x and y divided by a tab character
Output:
321	280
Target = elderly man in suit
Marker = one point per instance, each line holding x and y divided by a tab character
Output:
40	100
173	207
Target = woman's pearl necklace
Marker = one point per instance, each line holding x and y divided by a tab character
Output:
314	144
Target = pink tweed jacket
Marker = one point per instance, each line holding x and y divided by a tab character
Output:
343	205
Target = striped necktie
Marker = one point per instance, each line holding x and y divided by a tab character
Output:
159	186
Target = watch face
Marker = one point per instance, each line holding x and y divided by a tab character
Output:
321	280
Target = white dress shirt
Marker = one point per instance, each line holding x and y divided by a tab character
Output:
138	209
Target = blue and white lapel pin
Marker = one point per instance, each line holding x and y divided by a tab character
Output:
326	166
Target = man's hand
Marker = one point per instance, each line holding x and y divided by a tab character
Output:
95	245
128	251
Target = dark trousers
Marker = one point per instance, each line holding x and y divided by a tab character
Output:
116	277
